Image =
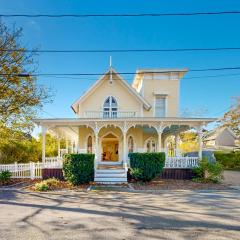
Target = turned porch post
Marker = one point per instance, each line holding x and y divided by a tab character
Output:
96	149
200	143
44	131
159	131
58	144
66	146
124	148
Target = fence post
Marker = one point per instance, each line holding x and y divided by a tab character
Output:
15	169
32	170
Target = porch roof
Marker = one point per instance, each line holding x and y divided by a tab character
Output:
142	120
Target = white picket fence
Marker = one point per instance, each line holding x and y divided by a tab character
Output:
181	162
31	170
23	170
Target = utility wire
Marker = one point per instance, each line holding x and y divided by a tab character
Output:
128	79
120	50
121	73
119	14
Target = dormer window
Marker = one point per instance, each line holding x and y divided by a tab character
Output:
160	106
110	108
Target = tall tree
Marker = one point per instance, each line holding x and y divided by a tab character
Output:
232	117
20	95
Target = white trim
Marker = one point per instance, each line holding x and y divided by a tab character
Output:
124	83
120	150
166	104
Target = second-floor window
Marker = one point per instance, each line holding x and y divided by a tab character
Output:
110	108
160	106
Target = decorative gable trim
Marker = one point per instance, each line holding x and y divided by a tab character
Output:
75	105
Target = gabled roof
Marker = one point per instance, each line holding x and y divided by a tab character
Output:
146	105
212	135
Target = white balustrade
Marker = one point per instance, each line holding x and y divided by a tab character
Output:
181	162
110	114
53	162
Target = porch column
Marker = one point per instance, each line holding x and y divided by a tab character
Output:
58	144
200	143
44	131
96	149
72	142
66	146
177	138
124	148
159	131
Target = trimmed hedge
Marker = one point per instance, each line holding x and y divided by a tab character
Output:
146	166
78	168
228	160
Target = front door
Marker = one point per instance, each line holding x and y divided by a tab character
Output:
110	149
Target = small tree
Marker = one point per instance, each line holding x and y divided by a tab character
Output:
232	117
20	95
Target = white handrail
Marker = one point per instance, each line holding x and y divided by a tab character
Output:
181	162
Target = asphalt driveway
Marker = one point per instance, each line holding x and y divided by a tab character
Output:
120	215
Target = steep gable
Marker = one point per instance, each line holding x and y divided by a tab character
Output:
126	96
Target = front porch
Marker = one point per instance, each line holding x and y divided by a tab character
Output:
111	140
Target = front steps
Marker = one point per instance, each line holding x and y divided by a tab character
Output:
110	174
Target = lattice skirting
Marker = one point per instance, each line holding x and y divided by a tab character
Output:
176	173
52	172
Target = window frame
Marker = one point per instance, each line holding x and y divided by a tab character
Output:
108	111
161	96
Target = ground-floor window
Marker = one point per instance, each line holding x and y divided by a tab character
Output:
130	144
89	144
151	145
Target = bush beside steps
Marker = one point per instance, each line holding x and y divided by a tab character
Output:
146	166
78	168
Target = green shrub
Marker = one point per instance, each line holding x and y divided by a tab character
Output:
146	166
48	184
5	176
78	168
41	186
228	160
208	172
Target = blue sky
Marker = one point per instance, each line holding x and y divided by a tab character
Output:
213	94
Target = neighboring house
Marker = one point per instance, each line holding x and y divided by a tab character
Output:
114	118
222	138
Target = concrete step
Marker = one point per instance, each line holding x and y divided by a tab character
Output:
110	179
113	175
108	171
111	183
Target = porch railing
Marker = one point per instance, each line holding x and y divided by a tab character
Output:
53	162
110	114
181	162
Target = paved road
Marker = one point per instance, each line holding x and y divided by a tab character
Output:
232	178
120	215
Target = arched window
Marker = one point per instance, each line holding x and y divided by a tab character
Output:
151	145
110	108
130	144
89	145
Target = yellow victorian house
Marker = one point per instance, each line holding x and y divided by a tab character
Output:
114	118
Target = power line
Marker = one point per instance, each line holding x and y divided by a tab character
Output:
128	79
121	73
120	50
120	14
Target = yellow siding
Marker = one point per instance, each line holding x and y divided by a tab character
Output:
169	87
126	101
